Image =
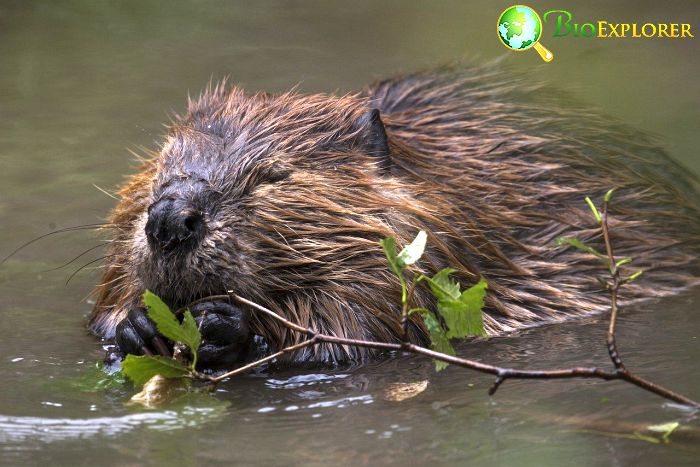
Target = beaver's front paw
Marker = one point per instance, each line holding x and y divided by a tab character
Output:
137	334
226	336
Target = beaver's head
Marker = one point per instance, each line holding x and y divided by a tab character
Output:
264	194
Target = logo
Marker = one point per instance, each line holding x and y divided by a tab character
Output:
520	28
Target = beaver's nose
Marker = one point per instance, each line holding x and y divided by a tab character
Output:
173	224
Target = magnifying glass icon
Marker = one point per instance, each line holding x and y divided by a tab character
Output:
520	28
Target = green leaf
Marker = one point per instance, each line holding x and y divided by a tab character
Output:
596	214
460	310
608	195
142	368
454	312
409	255
190	332
471	322
635	276
442	286
389	247
395	264
160	313
579	245
169	326
622	262
464	317
413	251
438	340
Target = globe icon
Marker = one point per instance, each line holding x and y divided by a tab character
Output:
519	28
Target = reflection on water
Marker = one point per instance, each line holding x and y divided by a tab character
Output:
82	82
46	430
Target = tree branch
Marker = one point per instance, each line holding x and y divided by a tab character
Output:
501	373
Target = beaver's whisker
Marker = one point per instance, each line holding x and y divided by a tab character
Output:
88	264
105	192
78	257
66	229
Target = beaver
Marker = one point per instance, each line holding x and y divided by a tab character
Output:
282	199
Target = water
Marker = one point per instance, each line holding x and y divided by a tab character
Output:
84	81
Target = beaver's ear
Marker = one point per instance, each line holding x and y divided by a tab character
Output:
373	137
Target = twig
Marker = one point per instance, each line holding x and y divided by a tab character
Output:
250	366
404	310
614	288
271	313
501	373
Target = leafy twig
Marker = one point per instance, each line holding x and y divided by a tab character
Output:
501	373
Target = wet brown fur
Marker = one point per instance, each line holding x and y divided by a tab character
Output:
494	168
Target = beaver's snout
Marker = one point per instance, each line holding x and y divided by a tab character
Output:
174	223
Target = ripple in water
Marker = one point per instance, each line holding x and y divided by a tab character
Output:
16	429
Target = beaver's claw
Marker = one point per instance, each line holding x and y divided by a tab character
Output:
137	334
226	336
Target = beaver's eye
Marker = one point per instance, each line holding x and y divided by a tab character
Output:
273	175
